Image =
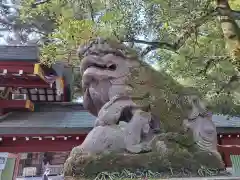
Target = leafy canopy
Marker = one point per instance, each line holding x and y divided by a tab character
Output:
180	37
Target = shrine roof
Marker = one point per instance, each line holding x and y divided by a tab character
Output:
224	121
226	125
19	53
54	118
71	118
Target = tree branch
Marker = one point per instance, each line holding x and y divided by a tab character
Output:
154	45
232	79
34	5
11	25
228	12
91	10
192	28
211	61
189	30
5	22
230	31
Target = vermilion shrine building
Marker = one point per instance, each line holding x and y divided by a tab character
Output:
37	119
39	123
228	137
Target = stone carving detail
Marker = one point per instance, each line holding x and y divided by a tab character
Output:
124	94
202	127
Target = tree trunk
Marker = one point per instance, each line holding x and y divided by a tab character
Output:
231	33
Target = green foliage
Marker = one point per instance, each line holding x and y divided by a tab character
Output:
75	22
190	68
67	24
235	4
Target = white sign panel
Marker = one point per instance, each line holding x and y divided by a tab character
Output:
23	155
3	160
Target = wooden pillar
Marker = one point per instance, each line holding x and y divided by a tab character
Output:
16	166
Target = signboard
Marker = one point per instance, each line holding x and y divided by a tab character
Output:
3	160
29	171
23	156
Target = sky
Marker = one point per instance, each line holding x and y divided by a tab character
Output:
4	34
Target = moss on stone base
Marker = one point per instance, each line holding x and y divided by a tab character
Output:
181	154
156	162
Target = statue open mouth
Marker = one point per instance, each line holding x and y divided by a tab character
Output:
99	68
110	67
91	63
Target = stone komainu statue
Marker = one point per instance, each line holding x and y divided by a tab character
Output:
144	119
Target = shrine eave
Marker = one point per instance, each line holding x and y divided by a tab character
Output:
22	74
228	130
16	68
16	104
41	131
30	83
40	143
